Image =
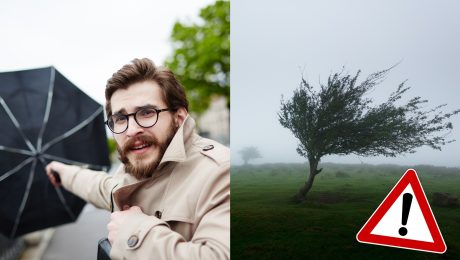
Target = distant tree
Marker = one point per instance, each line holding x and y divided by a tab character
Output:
201	55
340	119
249	153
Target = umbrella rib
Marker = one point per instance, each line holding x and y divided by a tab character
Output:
24	199
57	158
17	168
73	130
83	165
60	196
48	109
16	124
64	203
15	150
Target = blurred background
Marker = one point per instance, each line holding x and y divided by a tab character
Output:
87	41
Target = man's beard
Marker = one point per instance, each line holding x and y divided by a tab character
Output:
138	169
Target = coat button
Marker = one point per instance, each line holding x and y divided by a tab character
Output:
158	214
132	241
208	147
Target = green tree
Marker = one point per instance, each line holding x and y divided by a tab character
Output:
249	153
201	57
339	119
112	147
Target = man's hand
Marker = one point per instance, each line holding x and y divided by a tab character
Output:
58	168
118	218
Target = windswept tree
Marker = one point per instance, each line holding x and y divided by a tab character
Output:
339	119
249	153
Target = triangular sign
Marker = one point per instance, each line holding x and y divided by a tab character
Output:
404	219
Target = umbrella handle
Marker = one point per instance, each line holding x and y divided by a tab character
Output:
56	177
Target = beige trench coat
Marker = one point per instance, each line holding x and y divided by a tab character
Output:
186	202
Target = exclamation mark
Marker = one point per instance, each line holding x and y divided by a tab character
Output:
407	201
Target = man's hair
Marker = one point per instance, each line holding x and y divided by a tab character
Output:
140	70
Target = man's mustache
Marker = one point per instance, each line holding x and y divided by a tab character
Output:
130	144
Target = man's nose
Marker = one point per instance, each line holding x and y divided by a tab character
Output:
133	128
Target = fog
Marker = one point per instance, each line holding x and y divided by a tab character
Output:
274	43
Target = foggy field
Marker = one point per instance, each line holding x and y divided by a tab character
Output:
266	224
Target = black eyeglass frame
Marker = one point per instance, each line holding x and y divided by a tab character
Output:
127	116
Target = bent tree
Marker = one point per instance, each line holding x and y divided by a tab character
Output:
339	119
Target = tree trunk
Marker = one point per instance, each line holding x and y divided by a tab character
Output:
301	195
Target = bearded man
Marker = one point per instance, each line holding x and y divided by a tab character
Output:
171	197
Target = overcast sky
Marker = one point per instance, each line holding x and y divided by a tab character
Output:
87	40
274	42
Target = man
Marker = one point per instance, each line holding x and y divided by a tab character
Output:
171	197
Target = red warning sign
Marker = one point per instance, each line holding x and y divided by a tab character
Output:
404	219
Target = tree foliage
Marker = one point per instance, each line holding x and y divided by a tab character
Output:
340	119
249	153
201	57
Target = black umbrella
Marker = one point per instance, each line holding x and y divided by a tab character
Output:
44	117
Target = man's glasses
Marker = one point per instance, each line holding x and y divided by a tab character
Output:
146	117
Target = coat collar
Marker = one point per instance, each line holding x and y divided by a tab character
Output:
176	151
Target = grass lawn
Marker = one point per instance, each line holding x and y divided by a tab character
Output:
266	224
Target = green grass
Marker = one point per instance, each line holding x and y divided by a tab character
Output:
266	224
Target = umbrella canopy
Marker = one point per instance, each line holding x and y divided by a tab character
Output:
44	117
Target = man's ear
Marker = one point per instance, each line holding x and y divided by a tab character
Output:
179	116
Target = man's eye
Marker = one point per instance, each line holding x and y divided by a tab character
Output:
147	112
119	119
